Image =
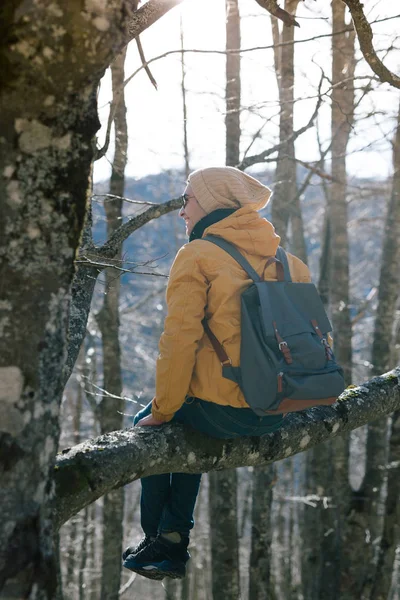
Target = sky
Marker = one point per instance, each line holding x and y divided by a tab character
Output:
155	119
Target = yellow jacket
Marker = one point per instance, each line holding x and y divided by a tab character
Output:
206	281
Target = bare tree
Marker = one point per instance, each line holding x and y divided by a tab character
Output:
285	188
184	104
111	411
223	485
232	90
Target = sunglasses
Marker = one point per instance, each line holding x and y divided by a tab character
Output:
185	199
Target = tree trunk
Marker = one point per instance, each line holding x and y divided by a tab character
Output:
260	585
224	536
391	519
329	471
285	190
72	552
111	410
325	262
184	104
389	281
343	65
374	512
223	484
232	91
47	119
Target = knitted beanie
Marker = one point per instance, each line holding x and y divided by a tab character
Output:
227	187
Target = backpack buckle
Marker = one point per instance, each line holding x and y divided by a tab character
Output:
282	345
227	362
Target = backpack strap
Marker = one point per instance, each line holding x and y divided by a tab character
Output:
282	257
216	344
234	252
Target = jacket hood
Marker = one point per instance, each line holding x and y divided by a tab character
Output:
248	231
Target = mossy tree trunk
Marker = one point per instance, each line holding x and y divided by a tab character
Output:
51	61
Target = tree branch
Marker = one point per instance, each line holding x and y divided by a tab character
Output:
259	158
144	62
274	9
111	246
89	470
365	36
148	14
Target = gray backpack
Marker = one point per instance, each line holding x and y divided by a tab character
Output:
286	363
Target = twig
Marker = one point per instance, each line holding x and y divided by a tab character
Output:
259	158
121	269
105	393
142	301
244	50
127	585
144	63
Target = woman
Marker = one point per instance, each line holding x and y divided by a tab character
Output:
205	282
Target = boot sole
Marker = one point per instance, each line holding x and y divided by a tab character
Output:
149	574
157	572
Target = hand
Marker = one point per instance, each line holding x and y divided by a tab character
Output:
149	421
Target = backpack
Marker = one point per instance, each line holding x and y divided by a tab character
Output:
286	363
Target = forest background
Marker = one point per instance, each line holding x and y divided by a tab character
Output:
302	110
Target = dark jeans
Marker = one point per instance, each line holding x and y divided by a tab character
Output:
168	500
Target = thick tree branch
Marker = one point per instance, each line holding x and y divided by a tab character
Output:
87	471
365	36
148	14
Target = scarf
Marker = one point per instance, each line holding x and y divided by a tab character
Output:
210	219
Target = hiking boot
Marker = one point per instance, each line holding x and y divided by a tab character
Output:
145	541
160	559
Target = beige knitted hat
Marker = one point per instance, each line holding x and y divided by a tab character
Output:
227	187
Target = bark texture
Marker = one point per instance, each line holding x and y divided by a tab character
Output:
260	584
48	117
365	37
390	539
224	535
343	65
86	472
